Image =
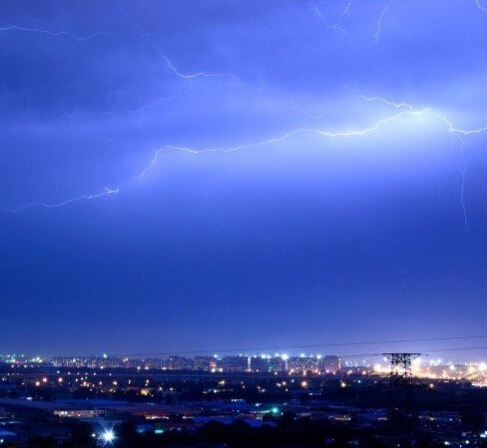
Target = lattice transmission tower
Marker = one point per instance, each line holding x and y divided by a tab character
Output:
401	373
402	383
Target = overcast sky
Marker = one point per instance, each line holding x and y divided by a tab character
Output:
179	175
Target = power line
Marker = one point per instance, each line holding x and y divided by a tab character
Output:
309	346
424	353
450	349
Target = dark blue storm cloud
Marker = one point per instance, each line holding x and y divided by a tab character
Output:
197	174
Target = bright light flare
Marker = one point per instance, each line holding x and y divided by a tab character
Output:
108	436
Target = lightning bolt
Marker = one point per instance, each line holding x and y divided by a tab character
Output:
479	6
463	173
324	133
48	32
153	162
400	105
457	132
404	109
345	10
379	28
201	74
336	25
409	110
288	135
83	197
450	126
380	25
181	75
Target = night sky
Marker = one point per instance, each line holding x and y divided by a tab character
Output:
179	175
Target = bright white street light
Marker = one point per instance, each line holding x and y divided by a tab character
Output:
108	436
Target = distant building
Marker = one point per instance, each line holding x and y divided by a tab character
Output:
301	364
179	363
234	363
331	364
204	363
277	364
259	364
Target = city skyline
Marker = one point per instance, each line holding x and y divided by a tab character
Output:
188	175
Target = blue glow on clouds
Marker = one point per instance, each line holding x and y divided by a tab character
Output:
190	174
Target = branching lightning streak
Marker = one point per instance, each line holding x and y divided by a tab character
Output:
284	137
153	163
324	133
410	110
451	127
107	191
83	197
321	132
404	109
463	172
331	26
457	132
336	25
387	102
345	10
378	31
190	75
479	6
48	32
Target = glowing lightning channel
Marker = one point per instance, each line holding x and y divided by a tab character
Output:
463	172
284	137
409	110
48	32
83	197
336	25
153	163
400	105
450	126
378	31
346	9
457	132
479	6
190	75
